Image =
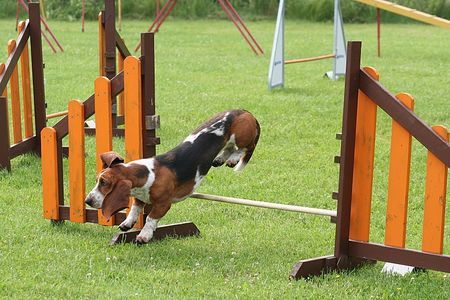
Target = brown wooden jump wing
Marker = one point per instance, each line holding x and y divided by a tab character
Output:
28	140
352	245
130	81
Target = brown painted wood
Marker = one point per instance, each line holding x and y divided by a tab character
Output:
5	160
110	39
184	229
37	71
313	267
110	50
400	256
148	91
325	264
91	215
13	59
121	46
405	117
347	148
25	146
116	87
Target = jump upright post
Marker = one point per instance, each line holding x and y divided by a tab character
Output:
363	95
277	60
26	137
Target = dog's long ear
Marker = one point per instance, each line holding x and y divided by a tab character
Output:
117	199
110	159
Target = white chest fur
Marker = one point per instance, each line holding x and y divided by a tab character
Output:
142	193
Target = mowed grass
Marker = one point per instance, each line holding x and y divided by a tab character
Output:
203	67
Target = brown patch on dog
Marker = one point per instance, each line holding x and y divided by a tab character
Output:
245	130
162	192
184	189
110	159
117	199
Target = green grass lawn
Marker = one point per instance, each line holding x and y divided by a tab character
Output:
204	67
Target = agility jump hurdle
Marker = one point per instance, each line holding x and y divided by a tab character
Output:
363	94
131	81
226	6
24	138
48	30
277	60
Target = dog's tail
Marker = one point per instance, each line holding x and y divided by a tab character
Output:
248	154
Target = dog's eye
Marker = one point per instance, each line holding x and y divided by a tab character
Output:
102	182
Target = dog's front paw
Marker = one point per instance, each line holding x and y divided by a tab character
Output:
142	240
144	236
232	163
125	226
218	162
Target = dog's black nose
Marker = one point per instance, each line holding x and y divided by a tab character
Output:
88	201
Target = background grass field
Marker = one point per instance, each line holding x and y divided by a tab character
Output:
204	67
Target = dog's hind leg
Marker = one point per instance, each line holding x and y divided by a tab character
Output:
235	157
223	156
133	215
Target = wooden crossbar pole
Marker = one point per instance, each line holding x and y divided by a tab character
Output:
262	204
57	114
302	60
408	12
77	173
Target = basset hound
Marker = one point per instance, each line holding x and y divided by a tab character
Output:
227	138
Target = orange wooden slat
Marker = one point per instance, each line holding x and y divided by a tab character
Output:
15	98
26	88
133	112
363	165
133	109
77	174
121	108
103	127
49	173
398	184
101	46
435	197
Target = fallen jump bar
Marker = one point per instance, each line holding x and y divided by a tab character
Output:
285	207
